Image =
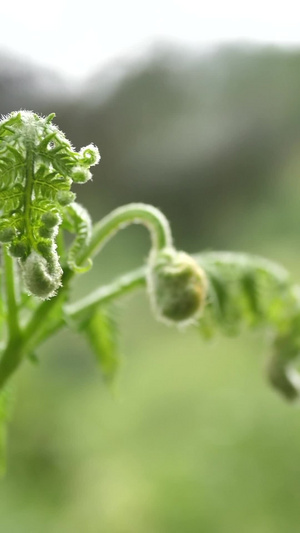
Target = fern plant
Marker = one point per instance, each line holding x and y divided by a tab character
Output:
213	291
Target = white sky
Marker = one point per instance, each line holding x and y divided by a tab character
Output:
76	37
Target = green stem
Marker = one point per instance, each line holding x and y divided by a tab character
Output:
35	331
42	312
118	219
119	287
73	312
104	230
11	359
10	296
33	335
12	354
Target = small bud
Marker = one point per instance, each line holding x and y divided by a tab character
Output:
90	155
81	174
51	219
65	197
47	233
19	248
7	234
45	247
177	286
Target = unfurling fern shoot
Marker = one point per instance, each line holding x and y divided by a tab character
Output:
38	166
214	291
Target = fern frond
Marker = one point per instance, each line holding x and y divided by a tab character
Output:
244	289
37	168
248	290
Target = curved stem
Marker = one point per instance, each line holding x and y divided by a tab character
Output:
104	230
35	331
118	219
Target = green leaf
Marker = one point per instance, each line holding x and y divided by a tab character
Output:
101	332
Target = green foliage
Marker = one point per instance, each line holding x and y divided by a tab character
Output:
221	291
38	166
249	291
101	331
245	290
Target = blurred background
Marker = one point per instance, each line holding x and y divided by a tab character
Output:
196	110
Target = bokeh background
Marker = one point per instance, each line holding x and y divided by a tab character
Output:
191	439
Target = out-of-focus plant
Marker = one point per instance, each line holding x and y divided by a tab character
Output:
212	290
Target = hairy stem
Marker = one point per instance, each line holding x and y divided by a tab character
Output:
104	230
118	219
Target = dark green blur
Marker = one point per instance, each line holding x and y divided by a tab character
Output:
190	438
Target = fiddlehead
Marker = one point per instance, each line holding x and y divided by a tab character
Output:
37	168
177	286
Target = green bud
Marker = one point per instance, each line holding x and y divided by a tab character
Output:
51	219
46	233
45	247
81	174
7	234
65	197
19	248
177	286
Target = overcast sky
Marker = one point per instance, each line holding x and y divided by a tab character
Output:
77	37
